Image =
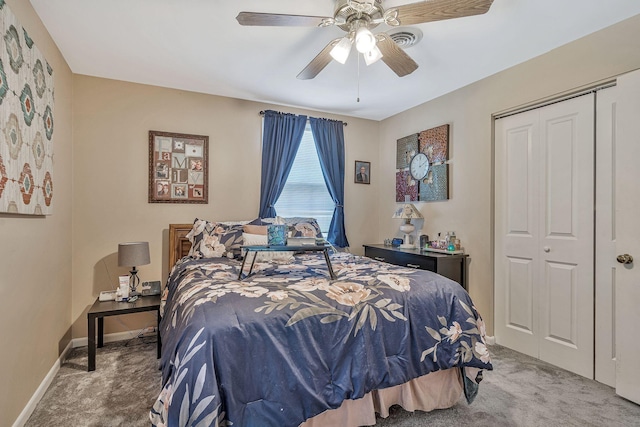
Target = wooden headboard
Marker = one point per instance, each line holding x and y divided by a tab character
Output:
179	245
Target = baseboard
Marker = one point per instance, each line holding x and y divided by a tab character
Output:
491	340
42	388
116	336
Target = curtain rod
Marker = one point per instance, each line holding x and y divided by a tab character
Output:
343	123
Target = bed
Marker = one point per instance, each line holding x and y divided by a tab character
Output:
288	346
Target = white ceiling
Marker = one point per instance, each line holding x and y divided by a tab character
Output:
198	45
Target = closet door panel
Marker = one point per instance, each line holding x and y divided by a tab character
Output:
605	280
519	316
544	195
562	311
566	234
516	233
627	196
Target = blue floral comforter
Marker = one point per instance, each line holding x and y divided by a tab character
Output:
288	343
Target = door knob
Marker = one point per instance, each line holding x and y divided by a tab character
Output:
625	259
546	249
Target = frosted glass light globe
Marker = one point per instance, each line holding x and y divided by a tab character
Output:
365	40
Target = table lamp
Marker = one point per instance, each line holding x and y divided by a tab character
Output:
407	212
131	255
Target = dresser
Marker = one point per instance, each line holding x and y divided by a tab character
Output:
453	266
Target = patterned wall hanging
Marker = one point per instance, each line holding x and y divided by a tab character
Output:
434	143
26	122
435	186
406	186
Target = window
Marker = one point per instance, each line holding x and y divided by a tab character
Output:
305	194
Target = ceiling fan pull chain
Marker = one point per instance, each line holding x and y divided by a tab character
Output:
358	58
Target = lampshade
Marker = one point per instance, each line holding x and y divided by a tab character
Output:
133	254
340	51
372	56
407	211
365	40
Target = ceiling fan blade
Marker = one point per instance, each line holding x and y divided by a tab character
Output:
437	10
278	20
394	56
318	63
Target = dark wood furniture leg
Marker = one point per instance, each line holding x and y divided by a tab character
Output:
100	332
91	341
158	336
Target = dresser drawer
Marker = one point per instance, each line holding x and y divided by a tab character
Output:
450	266
400	258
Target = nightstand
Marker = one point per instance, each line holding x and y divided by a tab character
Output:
101	309
452	266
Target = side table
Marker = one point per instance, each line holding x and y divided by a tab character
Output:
101	309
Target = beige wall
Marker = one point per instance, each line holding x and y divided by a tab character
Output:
112	120
53	270
35	256
599	56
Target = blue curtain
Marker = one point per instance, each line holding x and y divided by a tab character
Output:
281	138
329	138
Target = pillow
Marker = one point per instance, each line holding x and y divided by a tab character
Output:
255	229
215	239
298	226
266	256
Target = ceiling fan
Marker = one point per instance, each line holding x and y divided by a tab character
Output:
358	18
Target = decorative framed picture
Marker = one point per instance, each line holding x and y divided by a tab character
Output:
362	172
178	166
434	144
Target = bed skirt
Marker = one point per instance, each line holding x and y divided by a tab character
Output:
437	390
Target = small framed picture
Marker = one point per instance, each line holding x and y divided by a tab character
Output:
362	172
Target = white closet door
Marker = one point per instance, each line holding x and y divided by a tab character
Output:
605	283
628	237
516	232
544	233
567	143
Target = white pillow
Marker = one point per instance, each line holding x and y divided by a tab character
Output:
264	256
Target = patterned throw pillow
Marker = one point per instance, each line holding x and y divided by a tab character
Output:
255	229
215	239
299	226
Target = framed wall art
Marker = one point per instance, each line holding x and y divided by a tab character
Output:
362	172
434	144
178	166
26	122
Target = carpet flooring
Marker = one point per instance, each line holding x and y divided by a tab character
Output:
521	391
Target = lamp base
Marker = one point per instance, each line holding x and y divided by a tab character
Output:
407	228
134	280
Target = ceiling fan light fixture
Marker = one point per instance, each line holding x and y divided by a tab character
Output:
365	40
341	50
362	6
372	56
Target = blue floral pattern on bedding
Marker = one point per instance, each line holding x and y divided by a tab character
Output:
288	342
